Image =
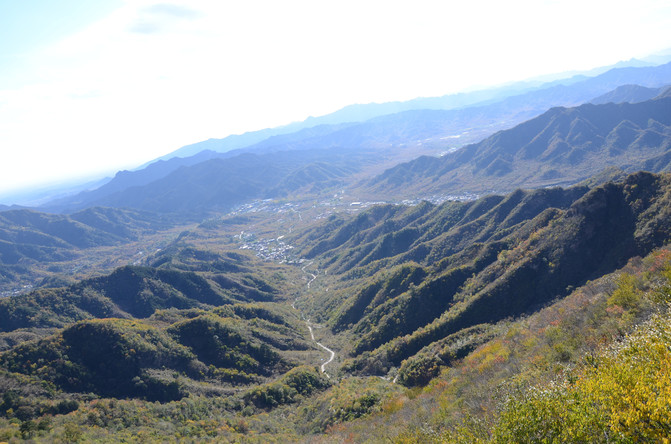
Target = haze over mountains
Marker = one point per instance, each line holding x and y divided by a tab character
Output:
297	285
363	112
356	149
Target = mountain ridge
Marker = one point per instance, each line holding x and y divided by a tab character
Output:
558	147
363	112
476	262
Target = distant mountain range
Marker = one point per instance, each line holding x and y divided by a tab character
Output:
478	115
562	146
364	112
629	94
353	150
514	103
214	186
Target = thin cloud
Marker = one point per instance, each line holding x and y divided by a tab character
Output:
190	70
159	17
145	27
172	10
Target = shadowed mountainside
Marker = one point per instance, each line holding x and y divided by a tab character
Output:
427	272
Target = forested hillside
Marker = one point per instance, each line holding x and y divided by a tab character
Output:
423	274
429	309
340	223
42	249
592	367
293	288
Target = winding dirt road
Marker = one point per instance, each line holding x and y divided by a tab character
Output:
309	324
312	335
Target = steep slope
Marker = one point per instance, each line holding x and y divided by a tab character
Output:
562	146
592	367
426	273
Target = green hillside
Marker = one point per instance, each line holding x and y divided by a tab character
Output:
466	321
42	249
404	278
592	367
485	267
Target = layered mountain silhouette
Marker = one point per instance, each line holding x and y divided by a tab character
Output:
562	146
217	185
577	89
388	139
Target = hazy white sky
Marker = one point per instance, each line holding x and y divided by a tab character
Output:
90	86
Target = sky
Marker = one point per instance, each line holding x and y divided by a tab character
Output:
91	87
